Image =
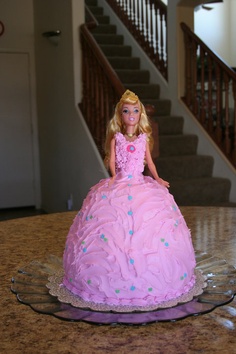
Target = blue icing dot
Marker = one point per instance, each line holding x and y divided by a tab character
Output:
166	244
130	176
104	238
132	288
87	218
131	232
185	275
130	197
130	212
104	196
117	291
174	207
129	184
176	222
84	249
131	261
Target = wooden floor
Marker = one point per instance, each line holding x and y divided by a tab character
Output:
25	331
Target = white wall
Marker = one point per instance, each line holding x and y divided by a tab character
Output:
232	33
217	29
19	34
70	164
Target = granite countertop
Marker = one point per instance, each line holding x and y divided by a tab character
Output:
26	331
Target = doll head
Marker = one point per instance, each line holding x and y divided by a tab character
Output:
117	124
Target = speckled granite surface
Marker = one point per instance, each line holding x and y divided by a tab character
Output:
25	331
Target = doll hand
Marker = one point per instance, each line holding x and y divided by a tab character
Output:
163	183
111	181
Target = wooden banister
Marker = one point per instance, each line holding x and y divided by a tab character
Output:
210	92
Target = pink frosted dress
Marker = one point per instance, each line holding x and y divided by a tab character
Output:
129	243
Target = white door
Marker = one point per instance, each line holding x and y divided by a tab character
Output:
16	149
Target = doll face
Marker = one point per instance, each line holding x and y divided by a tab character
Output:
130	114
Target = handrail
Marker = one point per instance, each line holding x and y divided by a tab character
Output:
101	85
147	21
210	92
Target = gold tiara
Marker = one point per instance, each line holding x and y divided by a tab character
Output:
129	96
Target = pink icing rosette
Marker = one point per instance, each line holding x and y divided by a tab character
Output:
131	148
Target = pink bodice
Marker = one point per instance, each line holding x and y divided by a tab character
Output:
130	155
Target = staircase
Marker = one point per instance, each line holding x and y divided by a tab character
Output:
189	174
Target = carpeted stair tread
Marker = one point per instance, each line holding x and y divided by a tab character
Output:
172	145
114	50
133	76
124	62
102	19
185	167
146	91
162	106
96	10
169	125
91	2
201	191
108	39
104	28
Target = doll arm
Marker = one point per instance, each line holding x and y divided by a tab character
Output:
152	168
112	161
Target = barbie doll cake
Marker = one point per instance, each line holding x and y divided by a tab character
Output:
129	245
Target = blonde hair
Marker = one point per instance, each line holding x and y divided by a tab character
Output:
116	123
